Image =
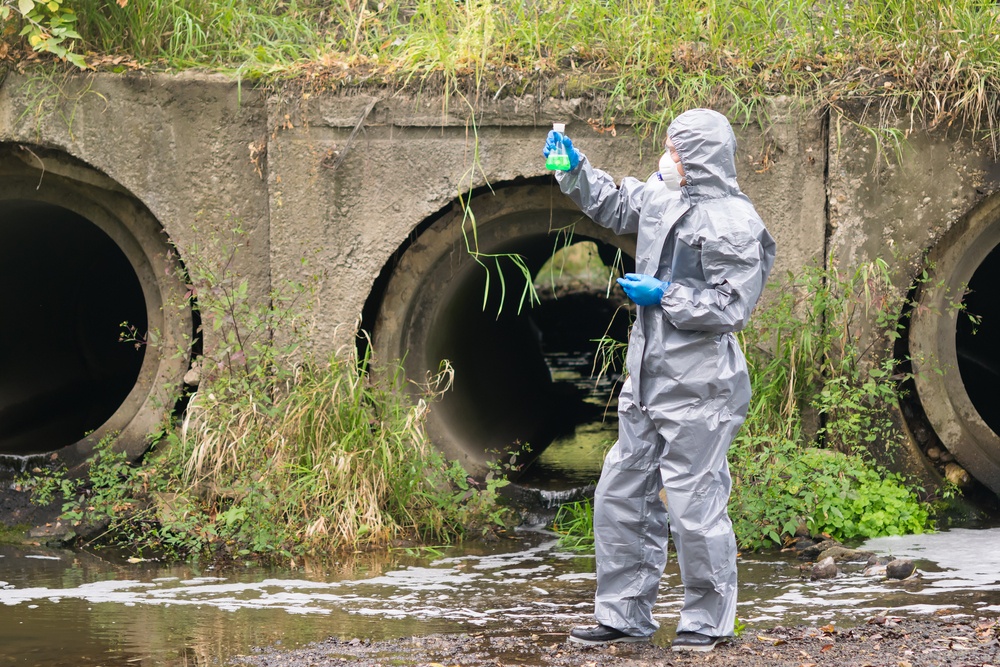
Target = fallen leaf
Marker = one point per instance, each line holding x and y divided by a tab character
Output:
826	648
773	641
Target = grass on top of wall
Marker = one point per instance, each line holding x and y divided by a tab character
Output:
647	59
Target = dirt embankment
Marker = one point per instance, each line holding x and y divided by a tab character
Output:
882	642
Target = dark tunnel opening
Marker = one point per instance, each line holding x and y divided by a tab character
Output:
536	377
977	330
69	290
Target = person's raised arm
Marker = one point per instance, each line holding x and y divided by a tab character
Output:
595	192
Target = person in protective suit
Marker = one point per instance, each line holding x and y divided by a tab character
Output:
702	258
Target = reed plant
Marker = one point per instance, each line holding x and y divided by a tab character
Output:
279	454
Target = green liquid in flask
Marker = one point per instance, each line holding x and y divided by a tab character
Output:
558	160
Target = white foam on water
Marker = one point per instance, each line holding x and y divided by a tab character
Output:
500	588
953	560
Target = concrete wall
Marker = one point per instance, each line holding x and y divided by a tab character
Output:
203	153
178	144
415	156
881	207
344	180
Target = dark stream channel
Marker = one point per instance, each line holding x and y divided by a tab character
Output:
77	608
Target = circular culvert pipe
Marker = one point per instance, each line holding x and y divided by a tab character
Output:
433	309
82	262
956	361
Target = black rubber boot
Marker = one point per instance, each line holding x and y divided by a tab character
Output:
695	641
602	634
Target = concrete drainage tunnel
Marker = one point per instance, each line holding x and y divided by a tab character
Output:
83	263
523	380
80	256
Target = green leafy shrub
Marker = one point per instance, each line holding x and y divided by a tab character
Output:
48	25
821	397
848	499
842	495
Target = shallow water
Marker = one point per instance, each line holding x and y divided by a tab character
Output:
574	460
75	608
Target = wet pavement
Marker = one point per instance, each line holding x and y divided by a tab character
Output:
77	608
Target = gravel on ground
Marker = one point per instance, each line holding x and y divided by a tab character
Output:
884	641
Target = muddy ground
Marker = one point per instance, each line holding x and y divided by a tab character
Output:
882	642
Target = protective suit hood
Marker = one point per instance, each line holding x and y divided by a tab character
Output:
706	144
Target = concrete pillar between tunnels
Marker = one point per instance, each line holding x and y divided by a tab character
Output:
82	261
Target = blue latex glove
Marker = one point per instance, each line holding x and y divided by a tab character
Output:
553	139
642	289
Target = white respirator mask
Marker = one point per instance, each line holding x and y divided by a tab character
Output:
668	172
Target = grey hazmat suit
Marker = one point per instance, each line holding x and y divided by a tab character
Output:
687	390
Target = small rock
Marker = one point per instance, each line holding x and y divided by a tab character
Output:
946	457
875	567
813	551
957	475
825	569
874	570
56	534
844	554
193	377
933	453
901	568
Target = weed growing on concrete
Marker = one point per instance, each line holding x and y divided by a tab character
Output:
491	262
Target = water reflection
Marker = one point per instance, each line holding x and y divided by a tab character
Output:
73	608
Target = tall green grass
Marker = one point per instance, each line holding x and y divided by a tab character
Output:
279	454
646	59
